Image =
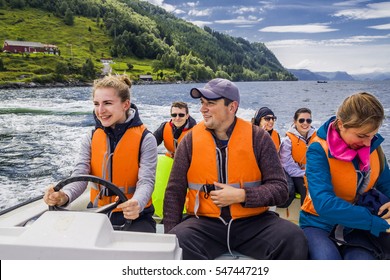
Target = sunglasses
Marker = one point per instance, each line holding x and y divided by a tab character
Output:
303	120
181	115
270	118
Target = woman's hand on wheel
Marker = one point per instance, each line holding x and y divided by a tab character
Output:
53	198
130	209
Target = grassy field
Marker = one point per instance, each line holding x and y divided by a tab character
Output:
85	39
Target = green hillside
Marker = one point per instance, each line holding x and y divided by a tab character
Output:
76	43
141	39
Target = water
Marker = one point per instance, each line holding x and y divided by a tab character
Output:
40	128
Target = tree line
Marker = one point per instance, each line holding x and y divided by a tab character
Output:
146	31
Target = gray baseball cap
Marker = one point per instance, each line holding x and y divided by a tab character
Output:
216	89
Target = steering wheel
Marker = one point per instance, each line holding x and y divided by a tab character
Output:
97	180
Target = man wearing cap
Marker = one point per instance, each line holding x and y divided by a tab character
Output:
227	172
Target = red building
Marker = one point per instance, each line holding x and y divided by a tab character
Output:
28	47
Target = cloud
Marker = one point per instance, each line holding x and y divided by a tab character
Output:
239	20
179	12
268	5
304	64
244	10
192	4
199	13
160	3
334	59
201	23
317	35
244	26
349	3
336	54
380	27
291	43
348	41
371	11
155	2
303	28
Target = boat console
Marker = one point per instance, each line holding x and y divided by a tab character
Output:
81	235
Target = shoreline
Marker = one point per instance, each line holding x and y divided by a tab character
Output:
21	85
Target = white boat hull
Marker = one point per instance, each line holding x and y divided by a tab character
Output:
32	232
61	235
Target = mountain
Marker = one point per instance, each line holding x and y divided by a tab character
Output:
139	37
336	76
307	75
375	76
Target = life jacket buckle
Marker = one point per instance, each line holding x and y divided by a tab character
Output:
207	188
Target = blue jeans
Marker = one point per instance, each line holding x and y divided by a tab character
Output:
321	247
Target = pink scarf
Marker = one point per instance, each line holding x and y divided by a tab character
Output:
340	150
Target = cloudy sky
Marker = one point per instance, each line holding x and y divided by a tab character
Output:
352	36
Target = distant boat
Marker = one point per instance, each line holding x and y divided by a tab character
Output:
322	82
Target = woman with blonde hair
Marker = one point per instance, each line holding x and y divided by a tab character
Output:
120	150
345	214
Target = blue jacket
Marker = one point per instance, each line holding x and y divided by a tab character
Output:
331	209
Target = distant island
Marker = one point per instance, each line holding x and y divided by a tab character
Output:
307	75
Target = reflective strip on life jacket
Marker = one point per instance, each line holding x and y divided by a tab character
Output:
199	189
130	189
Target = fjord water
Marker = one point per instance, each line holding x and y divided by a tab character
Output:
40	129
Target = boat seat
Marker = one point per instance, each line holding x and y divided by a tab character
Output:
225	256
290	213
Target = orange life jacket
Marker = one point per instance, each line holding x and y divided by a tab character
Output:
120	167
344	177
276	139
299	148
169	142
241	166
